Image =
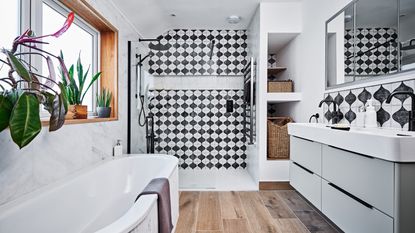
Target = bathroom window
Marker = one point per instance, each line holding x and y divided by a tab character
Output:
10	28
80	40
90	36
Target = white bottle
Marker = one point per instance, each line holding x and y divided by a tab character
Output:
370	116
360	116
117	149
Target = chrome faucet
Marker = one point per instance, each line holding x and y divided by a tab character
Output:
336	115
411	123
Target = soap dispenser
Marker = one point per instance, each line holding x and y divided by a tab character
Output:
370	115
117	149
360	116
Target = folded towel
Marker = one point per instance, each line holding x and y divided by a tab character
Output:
161	187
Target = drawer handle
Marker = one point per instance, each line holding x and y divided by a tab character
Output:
305	169
351	196
367	156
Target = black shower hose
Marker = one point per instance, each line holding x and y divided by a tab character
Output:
142	113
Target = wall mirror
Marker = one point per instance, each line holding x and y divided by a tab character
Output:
370	39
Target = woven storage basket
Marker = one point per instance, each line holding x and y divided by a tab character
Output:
280	86
278	138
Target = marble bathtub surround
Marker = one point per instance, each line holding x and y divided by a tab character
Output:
393	115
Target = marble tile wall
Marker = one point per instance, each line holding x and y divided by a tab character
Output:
54	156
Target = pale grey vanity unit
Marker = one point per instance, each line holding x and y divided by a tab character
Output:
360	193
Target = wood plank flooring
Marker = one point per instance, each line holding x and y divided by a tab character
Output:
281	211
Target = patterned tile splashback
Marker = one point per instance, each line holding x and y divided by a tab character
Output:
376	51
393	115
189	52
194	126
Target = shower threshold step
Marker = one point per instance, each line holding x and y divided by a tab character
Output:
217	180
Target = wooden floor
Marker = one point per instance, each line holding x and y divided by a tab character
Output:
248	212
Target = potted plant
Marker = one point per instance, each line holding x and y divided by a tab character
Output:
103	104
76	91
24	90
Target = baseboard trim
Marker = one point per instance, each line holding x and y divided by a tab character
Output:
275	185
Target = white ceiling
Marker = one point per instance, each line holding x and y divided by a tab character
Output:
153	17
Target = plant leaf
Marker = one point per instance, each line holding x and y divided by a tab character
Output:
80	73
24	121
94	78
73	88
35	83
19	67
63	70
6	108
48	101
52	73
64	96
59	109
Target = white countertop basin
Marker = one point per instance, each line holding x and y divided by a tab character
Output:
386	144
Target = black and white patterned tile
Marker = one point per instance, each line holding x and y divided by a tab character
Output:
194	126
272	61
393	115
375	48
189	52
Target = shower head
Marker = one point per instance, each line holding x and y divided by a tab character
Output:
155	46
159	46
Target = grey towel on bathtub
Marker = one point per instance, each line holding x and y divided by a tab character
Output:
161	187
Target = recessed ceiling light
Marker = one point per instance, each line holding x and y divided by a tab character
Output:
233	19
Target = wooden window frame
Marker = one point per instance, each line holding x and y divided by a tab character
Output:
108	51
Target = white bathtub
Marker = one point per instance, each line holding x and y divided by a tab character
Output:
98	200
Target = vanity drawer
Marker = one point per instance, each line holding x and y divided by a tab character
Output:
306	153
307	183
369	179
348	213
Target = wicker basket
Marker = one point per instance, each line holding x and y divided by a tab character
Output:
280	86
278	138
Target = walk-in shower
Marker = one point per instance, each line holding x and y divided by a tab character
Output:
197	109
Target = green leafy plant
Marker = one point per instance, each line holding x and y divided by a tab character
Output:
75	89
104	99
24	90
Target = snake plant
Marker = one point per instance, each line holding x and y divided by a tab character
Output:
75	89
104	99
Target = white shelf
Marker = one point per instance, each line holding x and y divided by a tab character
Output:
283	97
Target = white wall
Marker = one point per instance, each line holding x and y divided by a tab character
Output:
253	33
275	17
312	56
306	66
53	156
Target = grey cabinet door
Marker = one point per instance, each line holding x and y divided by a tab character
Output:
369	179
306	153
352	216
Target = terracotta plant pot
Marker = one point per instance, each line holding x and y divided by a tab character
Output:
77	112
104	112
